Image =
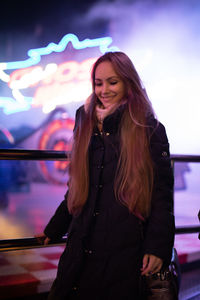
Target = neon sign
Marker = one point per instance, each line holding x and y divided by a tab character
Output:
53	84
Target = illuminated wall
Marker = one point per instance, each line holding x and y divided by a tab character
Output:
47	79
53	84
40	93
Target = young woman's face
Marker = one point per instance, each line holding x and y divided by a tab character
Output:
109	88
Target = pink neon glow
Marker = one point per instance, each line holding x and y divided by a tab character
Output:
18	74
66	71
69	81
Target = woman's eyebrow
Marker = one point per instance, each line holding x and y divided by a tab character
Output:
112	77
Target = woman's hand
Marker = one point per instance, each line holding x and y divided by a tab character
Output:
151	264
42	239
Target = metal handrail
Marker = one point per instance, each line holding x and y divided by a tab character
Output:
28	243
21	154
185	158
187	230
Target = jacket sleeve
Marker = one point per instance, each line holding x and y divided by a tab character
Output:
59	223
160	227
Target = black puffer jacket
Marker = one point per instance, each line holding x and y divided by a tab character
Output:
105	244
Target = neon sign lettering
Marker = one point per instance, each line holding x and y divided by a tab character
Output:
53	84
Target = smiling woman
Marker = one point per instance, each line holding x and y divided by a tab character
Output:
109	87
118	208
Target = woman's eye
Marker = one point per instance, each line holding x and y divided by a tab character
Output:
98	84
113	82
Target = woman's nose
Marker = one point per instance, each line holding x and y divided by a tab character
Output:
104	88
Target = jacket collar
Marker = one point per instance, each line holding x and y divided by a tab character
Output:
111	122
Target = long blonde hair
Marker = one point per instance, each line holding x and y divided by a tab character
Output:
134	176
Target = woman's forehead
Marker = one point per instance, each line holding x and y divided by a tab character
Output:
105	70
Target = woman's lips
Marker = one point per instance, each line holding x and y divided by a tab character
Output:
106	98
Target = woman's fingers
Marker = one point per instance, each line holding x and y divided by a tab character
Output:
151	264
46	241
145	262
42	239
157	269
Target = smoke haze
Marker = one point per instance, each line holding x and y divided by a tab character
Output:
163	41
